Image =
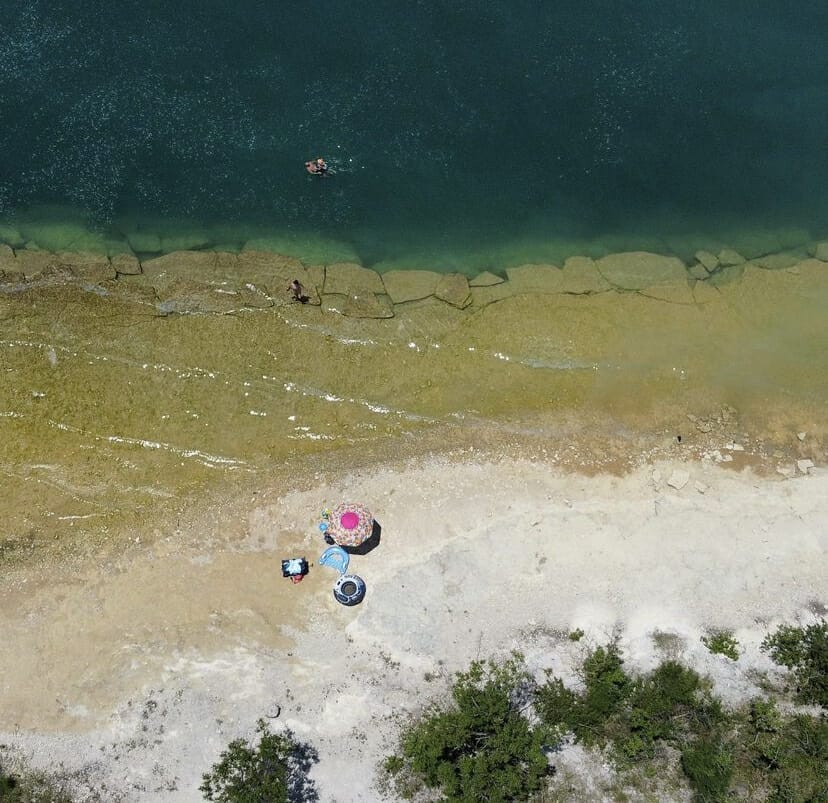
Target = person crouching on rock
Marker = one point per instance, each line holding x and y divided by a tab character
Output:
298	291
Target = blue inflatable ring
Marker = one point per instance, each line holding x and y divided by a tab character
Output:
349	589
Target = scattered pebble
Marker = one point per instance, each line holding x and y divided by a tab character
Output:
786	471
801	435
805	465
678	479
700	487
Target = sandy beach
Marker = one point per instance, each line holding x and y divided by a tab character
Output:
133	674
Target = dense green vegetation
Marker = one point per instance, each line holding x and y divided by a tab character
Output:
481	745
495	738
247	773
805	652
482	748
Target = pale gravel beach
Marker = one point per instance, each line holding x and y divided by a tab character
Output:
477	559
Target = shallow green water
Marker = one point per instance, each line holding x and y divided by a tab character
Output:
114	420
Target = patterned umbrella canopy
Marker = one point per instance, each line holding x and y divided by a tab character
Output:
350	524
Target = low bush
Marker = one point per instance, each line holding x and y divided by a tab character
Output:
708	765
29	786
249	774
722	642
805	652
785	756
479	748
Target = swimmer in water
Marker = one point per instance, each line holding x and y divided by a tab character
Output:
317	167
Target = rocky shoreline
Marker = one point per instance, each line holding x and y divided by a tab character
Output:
221	282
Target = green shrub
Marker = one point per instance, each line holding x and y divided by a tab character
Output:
722	642
556	705
708	765
805	652
788	755
576	635
248	774
589	715
606	688
481	748
670	704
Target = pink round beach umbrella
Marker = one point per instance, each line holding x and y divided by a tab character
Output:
350	524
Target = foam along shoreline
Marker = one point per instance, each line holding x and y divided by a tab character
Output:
477	559
221	282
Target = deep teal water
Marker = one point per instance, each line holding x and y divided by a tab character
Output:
453	127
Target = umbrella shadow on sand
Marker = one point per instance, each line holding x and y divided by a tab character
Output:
369	544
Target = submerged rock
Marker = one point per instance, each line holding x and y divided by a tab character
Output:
698	271
344	278
7	258
485	279
192	264
727	256
185	241
821	251
126	265
453	288
144	242
708	260
95	267
536	278
11	236
410	285
33	263
636	270
776	261
581	275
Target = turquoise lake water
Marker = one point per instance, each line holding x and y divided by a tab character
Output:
476	131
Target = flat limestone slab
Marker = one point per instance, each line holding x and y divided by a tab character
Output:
126	265
581	275
485	279
33	263
453	288
776	261
536	278
727	256
7	259
635	270
347	277
410	285
88	266
482	296
361	305
677	292
710	261
191	264
368	305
